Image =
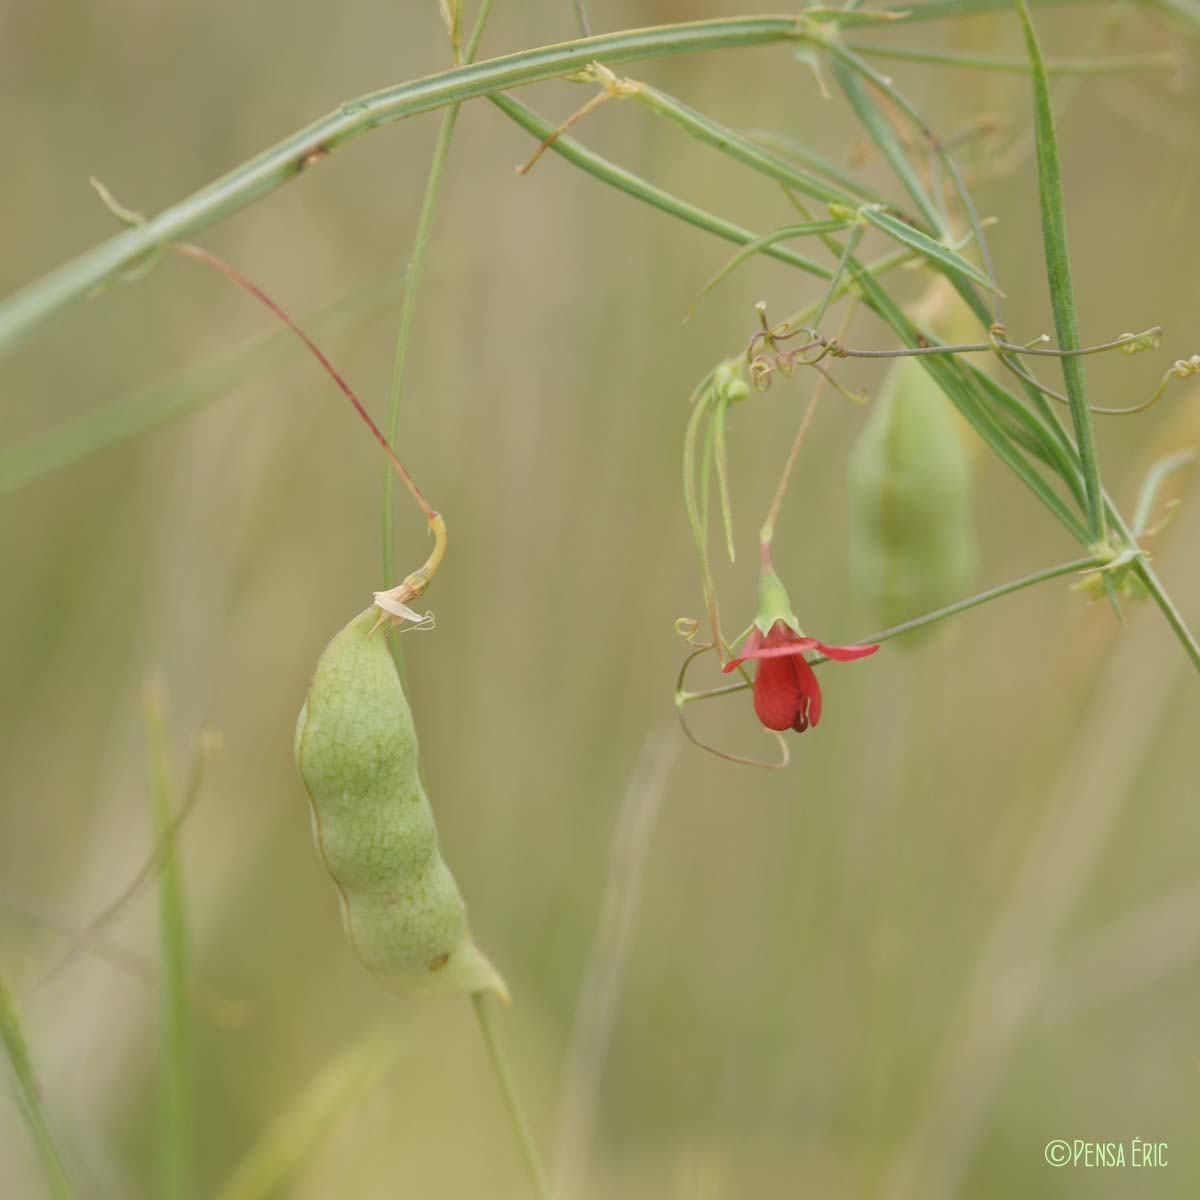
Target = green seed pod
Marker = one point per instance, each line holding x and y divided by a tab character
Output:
912	545
356	751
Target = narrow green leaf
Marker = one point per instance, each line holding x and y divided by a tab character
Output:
695	492
633	185
962	394
721	462
782	234
884	136
1033	434
789	147
953	378
1058	272
884	85
937	253
739	147
1160	471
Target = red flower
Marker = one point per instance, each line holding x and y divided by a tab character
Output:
786	692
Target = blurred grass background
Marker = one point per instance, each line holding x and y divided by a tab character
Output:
964	922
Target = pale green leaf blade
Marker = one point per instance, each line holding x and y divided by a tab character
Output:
285	1145
1058	272
936	252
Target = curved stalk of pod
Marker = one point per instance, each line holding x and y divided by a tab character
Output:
356	751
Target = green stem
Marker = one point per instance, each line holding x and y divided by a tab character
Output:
1115	64
960	606
176	1065
1005	589
29	1098
633	185
1174	617
740	149
512	1101
932	10
281	163
416	268
857	276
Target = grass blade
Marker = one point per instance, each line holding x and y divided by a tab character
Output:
1058	272
281	1150
28	1097
178	395
175	1097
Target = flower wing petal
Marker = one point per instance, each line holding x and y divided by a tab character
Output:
844	653
754	643
763	650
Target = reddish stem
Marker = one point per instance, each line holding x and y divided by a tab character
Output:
220	265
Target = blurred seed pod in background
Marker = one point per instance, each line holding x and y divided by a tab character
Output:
913	544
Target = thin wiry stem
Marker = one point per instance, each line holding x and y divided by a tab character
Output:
512	1101
767	534
175	1113
1115	64
599	991
408	310
164	846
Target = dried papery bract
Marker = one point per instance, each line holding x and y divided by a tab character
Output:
356	751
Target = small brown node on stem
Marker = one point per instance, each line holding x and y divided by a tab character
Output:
613	87
438	963
314	155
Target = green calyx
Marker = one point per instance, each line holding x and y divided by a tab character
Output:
727	381
773	603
